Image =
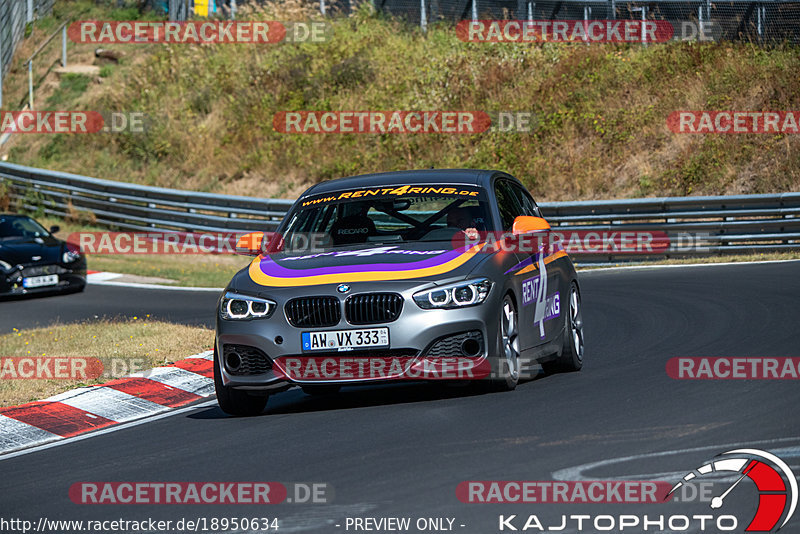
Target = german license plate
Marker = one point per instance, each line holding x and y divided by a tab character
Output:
40	281
345	339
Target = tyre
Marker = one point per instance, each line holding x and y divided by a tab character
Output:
571	358
508	365
234	402
327	389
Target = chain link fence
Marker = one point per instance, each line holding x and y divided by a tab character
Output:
14	16
771	21
765	21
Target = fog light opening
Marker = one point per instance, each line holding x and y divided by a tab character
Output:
470	347
233	361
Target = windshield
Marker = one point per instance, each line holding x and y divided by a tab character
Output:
20	227
389	215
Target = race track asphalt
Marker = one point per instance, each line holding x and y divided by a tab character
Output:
402	450
106	301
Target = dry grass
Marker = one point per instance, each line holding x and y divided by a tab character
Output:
189	270
125	346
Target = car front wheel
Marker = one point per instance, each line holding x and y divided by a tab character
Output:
508	365
234	402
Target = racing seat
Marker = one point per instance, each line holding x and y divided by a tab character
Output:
458	220
352	229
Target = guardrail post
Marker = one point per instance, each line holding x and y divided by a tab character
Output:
644	19
64	46
1	72
30	84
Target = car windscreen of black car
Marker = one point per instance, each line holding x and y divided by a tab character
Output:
20	227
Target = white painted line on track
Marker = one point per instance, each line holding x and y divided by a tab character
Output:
157	286
102	276
576	473
586	269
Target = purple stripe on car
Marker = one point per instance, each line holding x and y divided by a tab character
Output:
271	268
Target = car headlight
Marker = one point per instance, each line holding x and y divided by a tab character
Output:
70	256
5	266
458	295
234	306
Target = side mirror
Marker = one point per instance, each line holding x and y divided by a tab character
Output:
54	229
525	224
250	244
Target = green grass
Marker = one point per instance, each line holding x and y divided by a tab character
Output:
70	88
189	270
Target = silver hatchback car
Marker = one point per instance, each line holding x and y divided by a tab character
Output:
417	275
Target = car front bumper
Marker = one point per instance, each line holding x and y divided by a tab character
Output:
70	278
429	344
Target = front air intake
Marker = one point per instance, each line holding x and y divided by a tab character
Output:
313	312
373	308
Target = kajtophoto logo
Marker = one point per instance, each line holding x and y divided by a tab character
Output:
717	484
771	476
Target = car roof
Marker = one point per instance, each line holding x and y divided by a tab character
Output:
425	176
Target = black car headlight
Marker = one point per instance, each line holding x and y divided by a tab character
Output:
234	306
458	295
70	256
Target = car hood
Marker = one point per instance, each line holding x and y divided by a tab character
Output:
367	263
23	251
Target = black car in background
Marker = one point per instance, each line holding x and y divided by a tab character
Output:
32	260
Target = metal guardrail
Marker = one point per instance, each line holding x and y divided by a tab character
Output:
693	225
126	206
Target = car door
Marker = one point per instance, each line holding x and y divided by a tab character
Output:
510	207
540	287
